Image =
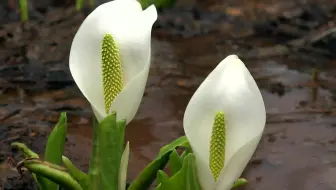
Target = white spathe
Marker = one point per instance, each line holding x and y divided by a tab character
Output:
131	29
229	88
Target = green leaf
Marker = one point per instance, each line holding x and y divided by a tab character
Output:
184	154
175	162
56	140
50	171
239	182
148	175
191	179
123	168
27	153
180	142
185	179
162	177
94	174
111	140
55	146
81	177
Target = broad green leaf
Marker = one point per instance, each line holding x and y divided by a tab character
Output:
55	145
191	179
123	167
180	142
52	172
162	177
175	162
111	139
148	175
81	177
42	182
56	140
185	179
94	174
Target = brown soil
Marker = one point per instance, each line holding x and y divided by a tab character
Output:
298	148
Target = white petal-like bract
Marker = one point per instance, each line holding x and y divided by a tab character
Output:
131	29
229	88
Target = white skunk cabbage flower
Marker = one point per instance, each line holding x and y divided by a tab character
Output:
224	122
110	57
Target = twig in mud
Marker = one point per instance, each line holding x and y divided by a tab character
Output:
6	167
11	161
10	114
314	34
325	33
316	50
20	166
305	43
10	139
315	74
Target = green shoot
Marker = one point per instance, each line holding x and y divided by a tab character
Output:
24	10
92	3
79	4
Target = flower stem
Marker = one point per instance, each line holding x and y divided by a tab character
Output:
94	161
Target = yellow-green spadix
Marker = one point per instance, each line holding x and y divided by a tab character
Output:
110	57
224	122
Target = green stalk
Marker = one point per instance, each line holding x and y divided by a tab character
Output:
79	4
24	10
111	140
94	160
123	168
81	177
92	4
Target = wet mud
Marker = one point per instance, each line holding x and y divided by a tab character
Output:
298	147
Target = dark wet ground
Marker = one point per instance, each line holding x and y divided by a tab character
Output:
298	149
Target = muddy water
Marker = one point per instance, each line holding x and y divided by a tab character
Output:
298	147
